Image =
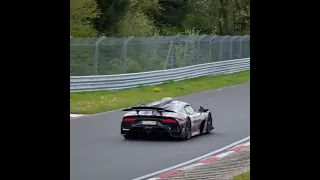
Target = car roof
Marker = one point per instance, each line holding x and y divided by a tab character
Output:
174	105
168	102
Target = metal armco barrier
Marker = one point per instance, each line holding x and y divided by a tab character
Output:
131	80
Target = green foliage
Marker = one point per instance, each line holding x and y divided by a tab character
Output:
111	12
149	7
221	17
90	18
82	12
136	23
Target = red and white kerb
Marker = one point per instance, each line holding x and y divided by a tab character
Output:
201	162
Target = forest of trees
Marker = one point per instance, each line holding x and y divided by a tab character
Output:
122	18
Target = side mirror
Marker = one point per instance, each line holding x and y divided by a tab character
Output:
202	109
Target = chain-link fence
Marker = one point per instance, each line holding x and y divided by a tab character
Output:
106	55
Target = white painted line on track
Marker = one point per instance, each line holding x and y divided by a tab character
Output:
76	115
193	160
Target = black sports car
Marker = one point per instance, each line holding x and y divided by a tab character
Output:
174	118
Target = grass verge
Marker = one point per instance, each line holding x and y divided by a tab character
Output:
244	176
100	101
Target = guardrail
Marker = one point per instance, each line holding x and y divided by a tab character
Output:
131	80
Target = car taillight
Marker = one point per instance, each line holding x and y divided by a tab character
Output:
129	119
169	121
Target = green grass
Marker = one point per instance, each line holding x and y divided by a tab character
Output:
244	176
100	101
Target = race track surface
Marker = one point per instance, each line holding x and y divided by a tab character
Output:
99	152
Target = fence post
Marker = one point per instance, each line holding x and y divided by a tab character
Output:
149	52
241	41
231	46
96	54
198	48
186	50
173	61
125	56
210	49
221	47
168	55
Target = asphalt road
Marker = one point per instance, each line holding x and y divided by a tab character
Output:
99	152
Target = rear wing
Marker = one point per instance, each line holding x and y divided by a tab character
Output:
145	108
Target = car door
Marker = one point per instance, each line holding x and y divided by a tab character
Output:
195	118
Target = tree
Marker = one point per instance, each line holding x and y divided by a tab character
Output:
82	13
111	13
166	17
136	23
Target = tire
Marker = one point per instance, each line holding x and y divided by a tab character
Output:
188	130
126	136
209	124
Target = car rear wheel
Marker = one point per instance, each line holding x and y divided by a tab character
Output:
188	131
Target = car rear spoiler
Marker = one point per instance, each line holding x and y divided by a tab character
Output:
144	108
